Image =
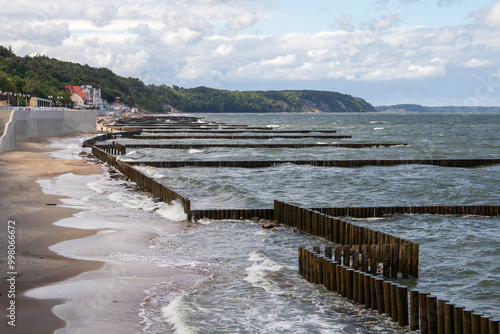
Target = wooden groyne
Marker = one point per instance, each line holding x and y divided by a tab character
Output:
455	163
418	309
127	134
245	137
198	146
372	212
260	130
360	267
355	284
233	214
380	245
157	189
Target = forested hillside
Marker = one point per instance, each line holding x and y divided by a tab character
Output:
42	76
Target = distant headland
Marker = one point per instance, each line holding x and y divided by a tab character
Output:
400	108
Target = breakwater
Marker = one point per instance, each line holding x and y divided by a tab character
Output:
362	241
455	163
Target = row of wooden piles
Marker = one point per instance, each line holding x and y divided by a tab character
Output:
418	309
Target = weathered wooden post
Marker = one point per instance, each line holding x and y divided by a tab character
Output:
414	318
432	314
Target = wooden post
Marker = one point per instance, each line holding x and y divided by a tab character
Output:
395	260
368	296
364	258
387	260
355	284
338	254
494	326
361	288
440	316
333	275
432	314
467	318
347	256
394	302
414	260
379	292
373	260
404	260
422	311
414	318
343	286
402	292
349	283
458	319
485	324
355	257
328	252
476	323
373	293
449	318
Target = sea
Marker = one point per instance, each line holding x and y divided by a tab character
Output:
250	281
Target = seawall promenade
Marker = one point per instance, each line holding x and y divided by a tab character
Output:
21	125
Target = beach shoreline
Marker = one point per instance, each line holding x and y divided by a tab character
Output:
24	202
72	293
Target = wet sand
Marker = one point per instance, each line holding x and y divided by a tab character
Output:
93	296
23	201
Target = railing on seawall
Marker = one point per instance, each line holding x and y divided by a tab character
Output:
145	182
375	245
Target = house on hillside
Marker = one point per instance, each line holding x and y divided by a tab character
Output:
76	94
118	104
85	96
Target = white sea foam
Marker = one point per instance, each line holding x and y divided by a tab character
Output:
194	151
173	312
375	129
173	212
257	272
150	171
131	200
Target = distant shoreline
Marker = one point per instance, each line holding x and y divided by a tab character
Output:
407	108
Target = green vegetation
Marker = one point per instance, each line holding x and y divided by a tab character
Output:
42	76
419	108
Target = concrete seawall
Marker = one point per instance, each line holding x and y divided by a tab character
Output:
24	124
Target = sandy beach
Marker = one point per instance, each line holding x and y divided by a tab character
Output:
93	296
23	201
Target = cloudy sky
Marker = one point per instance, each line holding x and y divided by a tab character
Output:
430	52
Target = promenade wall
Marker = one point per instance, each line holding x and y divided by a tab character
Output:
24	124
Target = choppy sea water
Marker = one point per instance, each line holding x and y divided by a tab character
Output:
252	284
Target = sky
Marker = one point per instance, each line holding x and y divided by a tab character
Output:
429	52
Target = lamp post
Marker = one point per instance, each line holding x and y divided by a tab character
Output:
50	98
17	95
26	97
59	98
8	98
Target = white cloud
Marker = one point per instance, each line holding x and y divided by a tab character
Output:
474	62
224	50
489	16
384	22
201	42
279	61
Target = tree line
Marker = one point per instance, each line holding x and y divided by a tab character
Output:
42	76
